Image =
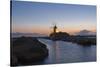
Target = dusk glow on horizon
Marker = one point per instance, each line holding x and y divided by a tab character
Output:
36	17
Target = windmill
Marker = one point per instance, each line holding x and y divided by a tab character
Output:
54	27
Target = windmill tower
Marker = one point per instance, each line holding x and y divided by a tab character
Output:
54	29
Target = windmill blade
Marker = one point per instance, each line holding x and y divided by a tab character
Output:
54	23
51	27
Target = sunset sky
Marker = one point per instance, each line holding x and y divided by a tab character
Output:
35	17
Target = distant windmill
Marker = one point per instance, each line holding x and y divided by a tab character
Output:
54	28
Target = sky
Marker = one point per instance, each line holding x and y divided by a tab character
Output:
38	17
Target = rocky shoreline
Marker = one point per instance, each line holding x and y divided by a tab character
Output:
27	50
81	40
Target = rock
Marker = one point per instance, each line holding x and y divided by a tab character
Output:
14	60
59	36
28	50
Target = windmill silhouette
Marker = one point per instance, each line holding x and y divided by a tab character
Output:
54	28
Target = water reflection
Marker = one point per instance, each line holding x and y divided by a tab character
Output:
67	52
88	53
53	53
56	53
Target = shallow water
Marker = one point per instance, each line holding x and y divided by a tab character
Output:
67	52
